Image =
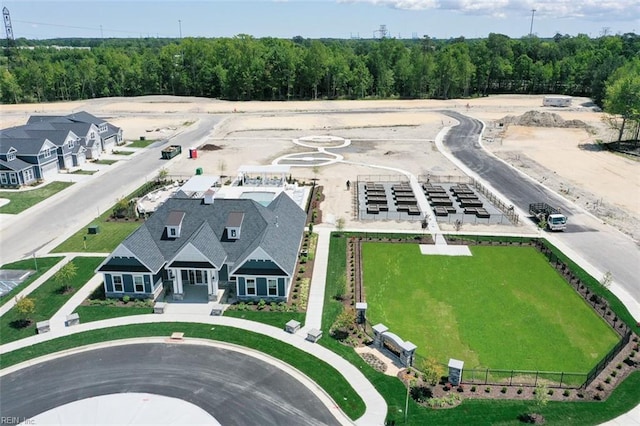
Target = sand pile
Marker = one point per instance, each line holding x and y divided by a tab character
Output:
542	119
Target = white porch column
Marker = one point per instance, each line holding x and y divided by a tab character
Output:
213	284
178	291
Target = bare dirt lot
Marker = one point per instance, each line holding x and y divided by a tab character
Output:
385	136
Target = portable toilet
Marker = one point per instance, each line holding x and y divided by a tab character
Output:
193	153
199	171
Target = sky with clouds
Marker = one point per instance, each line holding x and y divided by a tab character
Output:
320	18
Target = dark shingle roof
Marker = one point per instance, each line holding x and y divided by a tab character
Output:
15	165
277	229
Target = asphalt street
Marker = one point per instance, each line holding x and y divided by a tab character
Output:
235	388
59	217
599	244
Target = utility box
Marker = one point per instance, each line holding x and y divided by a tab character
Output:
199	171
93	229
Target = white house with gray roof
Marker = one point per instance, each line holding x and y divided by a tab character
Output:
237	244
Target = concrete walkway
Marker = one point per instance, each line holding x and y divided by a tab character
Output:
37	283
376	407
315	304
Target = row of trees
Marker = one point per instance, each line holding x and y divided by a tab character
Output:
245	68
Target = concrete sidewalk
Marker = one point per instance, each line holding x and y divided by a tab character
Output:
315	304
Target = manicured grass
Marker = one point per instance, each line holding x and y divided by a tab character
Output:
48	300
322	373
106	162
141	143
503	307
111	234
43	263
471	412
276	319
116	152
594	285
19	201
84	172
97	312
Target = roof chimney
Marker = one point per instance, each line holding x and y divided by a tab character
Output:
209	195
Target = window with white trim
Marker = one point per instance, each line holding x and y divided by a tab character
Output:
71	145
251	286
138	283
3	178
13	179
28	175
47	153
272	286
118	286
11	156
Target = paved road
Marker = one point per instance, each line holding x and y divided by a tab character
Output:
57	218
235	388
599	244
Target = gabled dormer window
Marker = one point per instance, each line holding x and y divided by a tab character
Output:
71	145
11	156
234	225
173	225
47	153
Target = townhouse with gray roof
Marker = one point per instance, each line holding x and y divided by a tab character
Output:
46	144
196	243
26	160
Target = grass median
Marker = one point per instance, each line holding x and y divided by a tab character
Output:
20	201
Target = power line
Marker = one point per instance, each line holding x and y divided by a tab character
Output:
100	28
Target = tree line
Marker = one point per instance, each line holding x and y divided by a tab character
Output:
246	68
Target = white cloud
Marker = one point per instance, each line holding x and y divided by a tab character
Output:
584	9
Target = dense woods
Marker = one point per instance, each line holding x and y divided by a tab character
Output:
246	68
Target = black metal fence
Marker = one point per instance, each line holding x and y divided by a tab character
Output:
525	378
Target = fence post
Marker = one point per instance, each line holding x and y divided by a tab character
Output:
536	381
486	376
511	378
561	377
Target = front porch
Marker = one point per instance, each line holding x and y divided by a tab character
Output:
194	285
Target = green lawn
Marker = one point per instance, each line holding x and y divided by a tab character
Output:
276	319
48	300
19	201
116	152
106	162
322	373
471	412
503	307
111	234
84	172
141	143
43	263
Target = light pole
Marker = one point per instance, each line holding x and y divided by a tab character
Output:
406	401
180	27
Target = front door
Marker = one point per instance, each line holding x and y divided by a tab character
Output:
196	276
